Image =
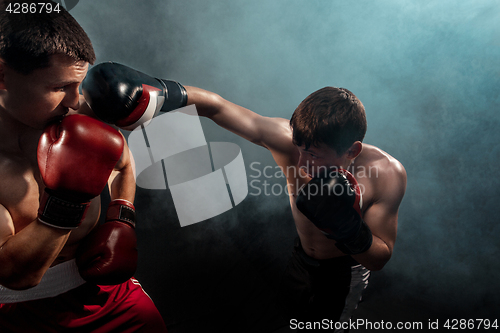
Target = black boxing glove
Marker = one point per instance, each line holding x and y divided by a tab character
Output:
333	204
127	98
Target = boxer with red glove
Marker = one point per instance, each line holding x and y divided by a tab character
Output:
108	255
127	98
334	206
71	178
53	168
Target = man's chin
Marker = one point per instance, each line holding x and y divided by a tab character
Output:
54	120
303	172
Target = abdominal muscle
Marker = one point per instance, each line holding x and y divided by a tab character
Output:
314	242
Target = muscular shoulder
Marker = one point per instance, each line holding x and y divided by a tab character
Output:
18	187
277	138
12	170
276	134
386	175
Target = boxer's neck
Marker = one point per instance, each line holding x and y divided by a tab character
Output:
16	136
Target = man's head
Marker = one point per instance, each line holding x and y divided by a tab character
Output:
27	40
44	58
329	125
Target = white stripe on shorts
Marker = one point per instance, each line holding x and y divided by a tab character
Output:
359	282
56	280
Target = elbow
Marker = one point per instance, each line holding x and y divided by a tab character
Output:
376	263
214	103
207	103
20	283
375	266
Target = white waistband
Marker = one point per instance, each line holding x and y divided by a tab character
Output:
57	280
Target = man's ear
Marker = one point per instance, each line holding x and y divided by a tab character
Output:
354	150
2	74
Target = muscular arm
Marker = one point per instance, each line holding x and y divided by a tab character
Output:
271	133
25	256
122	180
382	218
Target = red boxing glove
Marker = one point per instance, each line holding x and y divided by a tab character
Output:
75	158
108	255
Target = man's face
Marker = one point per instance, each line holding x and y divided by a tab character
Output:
46	94
319	161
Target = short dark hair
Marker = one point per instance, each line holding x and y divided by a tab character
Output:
28	40
333	116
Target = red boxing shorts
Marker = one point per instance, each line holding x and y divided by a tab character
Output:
121	308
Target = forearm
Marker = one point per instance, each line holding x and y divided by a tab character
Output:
235	118
26	256
376	256
207	103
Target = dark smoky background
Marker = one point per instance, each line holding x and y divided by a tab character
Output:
428	74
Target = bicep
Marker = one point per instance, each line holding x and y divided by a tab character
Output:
382	221
263	131
382	216
125	160
121	182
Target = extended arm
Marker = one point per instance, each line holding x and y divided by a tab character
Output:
271	133
128	98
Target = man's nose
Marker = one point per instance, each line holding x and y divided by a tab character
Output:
72	99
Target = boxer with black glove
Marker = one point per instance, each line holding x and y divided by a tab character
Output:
127	98
325	276
334	206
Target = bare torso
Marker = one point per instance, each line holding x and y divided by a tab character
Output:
22	187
